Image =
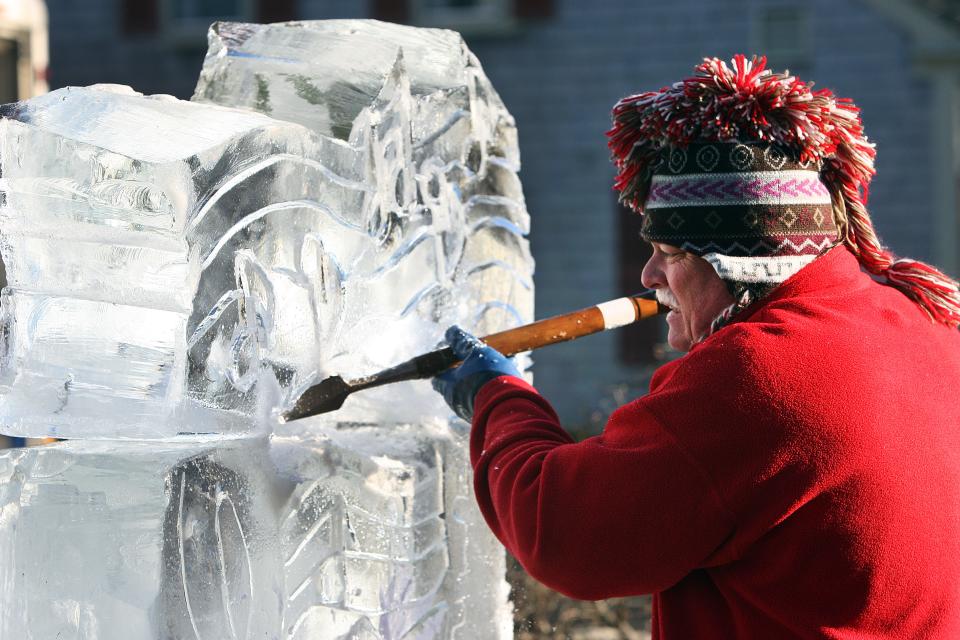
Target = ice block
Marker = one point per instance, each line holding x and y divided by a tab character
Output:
336	195
327	533
139	541
113	209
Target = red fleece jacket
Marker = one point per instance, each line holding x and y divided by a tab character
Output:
795	475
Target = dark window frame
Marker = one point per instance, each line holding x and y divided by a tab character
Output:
152	17
405	12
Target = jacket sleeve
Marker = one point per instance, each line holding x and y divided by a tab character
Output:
621	514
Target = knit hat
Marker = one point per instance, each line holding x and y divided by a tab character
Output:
758	174
755	213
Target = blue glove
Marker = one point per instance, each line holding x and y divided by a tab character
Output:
481	364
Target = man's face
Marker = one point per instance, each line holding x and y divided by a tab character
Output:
690	287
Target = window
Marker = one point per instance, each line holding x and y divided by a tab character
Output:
22	58
185	20
139	17
192	10
466	16
470	16
9	70
783	35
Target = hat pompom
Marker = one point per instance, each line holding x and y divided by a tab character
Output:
745	103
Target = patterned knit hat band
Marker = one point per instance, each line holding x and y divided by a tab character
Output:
752	211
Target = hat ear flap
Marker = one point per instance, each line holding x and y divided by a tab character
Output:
933	291
839	206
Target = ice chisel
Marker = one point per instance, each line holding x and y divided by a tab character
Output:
330	394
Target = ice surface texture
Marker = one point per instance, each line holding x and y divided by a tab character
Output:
342	534
111	214
179	267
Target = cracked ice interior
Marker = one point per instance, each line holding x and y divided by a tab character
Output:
335	195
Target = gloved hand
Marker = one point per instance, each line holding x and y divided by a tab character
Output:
481	364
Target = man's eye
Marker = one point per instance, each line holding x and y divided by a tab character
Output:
670	253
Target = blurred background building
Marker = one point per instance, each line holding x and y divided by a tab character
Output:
23	49
559	66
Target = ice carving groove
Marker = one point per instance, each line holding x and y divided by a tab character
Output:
207	553
326	533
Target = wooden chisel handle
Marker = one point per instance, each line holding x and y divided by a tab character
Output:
568	326
576	324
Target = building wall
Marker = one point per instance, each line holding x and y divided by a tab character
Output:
559	76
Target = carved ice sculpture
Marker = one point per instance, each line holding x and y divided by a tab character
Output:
179	271
439	152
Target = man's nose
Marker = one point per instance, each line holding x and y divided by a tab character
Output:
652	275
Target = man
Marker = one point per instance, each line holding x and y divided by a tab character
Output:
797	473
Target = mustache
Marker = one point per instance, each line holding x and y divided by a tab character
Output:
667	299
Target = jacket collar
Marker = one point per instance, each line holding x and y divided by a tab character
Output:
837	268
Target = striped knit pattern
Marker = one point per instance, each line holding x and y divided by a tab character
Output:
740	200
767	187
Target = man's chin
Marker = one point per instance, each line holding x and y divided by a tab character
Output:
678	342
